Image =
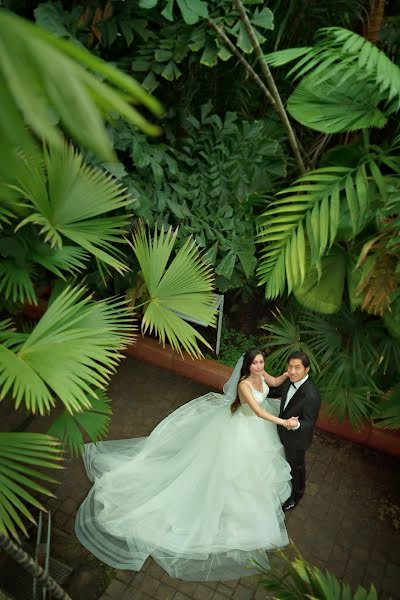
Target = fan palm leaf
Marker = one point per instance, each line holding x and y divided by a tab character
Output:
94	421
40	70
299	228
73	348
178	287
286	336
67	199
20	455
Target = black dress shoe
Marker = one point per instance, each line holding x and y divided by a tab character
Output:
288	504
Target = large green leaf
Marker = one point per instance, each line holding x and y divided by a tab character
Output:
41	70
21	454
73	348
68	199
176	289
323	291
334	106
94	421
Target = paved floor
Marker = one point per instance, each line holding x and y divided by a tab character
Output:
348	521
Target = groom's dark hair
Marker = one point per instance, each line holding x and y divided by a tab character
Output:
301	356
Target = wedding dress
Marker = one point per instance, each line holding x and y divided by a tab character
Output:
202	494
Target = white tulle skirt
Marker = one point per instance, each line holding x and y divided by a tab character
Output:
202	494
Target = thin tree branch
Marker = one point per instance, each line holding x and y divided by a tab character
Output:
249	69
280	109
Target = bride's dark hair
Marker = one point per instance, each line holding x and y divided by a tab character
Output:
248	358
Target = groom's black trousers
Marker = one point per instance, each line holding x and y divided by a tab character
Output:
296	460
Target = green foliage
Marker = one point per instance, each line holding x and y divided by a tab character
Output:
208	184
316	212
350	354
20	454
234	343
74	346
94	421
296	579
174	289
37	70
162	35
56	212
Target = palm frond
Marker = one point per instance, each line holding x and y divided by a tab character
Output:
294	578
299	228
41	70
21	454
94	421
286	336
342	53
67	200
347	395
16	282
387	412
71	259
181	288
74	347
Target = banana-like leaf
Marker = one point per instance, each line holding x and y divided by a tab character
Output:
73	348
323	292
181	288
300	228
39	70
94	421
67	199
334	106
21	457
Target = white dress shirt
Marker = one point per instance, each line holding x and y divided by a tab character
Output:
291	392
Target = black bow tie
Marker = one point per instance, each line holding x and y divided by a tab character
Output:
294	386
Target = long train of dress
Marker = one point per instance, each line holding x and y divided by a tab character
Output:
201	494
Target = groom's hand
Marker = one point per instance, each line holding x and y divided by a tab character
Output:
293	423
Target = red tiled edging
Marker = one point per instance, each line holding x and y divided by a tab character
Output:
214	375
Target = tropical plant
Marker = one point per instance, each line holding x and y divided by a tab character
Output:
56	214
296	579
209	183
331	210
174	290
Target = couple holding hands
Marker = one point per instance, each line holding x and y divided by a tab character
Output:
206	492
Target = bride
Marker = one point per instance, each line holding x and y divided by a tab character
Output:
202	494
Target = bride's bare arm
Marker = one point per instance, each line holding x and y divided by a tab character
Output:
274	381
246	395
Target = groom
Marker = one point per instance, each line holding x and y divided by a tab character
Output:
299	398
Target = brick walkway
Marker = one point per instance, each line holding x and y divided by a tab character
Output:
347	522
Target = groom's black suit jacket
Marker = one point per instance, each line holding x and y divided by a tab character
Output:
305	404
